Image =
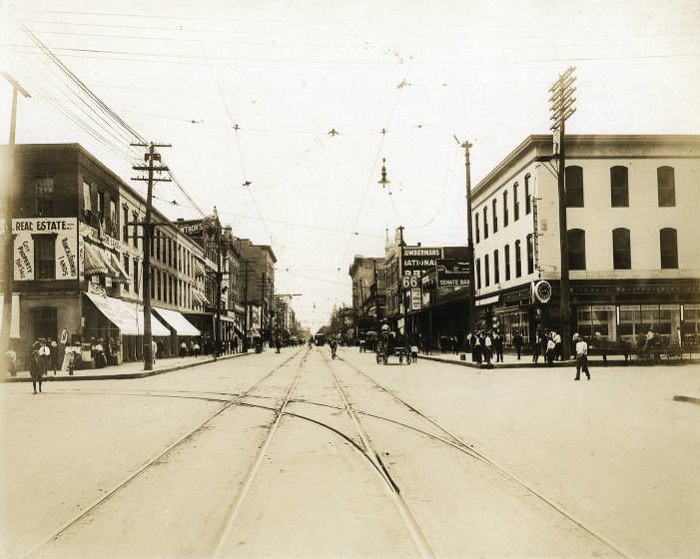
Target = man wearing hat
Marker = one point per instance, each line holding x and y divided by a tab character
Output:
581	357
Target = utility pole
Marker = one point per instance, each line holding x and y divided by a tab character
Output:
245	306
561	106
150	158
262	302
217	329
470	237
9	200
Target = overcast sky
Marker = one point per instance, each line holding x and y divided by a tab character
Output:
247	91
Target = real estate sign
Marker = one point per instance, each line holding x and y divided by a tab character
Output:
63	230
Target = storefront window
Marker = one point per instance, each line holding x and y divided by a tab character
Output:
691	324
630	323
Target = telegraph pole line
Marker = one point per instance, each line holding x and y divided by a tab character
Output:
9	199
561	107
470	238
150	157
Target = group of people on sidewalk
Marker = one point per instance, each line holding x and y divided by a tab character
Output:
485	345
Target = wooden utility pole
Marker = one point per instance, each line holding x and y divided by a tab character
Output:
150	158
470	240
9	200
561	106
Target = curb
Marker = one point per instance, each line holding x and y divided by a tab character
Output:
119	376
570	363
688	399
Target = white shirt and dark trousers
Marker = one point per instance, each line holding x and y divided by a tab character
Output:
582	359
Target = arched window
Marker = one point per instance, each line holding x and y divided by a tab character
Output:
668	242
619	188
516	203
496	271
574	187
486	222
529	246
495	215
506	260
518	261
487	276
478	274
476	227
577	249
622	257
667	186
505	208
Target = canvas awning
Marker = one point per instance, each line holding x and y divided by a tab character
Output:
177	322
200	298
101	261
126	315
14	309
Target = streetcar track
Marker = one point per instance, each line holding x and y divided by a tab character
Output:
149	464
485	459
420	539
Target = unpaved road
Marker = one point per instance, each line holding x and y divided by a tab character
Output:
295	455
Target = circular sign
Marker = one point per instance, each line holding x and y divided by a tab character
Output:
543	291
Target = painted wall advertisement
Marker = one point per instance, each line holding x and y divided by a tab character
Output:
64	230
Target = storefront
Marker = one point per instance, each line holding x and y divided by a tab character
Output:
181	329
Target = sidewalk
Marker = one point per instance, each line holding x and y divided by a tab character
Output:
125	370
510	361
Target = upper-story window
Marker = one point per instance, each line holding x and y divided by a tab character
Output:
43	194
668	241
127	268
506	260
577	249
619	188
530	254
101	206
495	215
574	186
666	180
45	256
486	222
478	273
516	203
528	199
487	276
476	226
505	208
622	255
518	260
135	239
496	270
125	226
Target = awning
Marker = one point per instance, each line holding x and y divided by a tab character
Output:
100	261
177	322
14	310
126	316
200	298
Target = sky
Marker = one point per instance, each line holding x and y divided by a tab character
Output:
280	113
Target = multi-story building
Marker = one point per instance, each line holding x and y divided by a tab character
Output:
631	232
256	281
78	247
368	292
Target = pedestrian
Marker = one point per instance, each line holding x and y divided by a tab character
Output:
537	347
581	357
11	356
414	353
53	354
498	346
37	368
557	346
278	345
99	350
183	348
196	348
44	354
518	342
487	348
550	352
154	350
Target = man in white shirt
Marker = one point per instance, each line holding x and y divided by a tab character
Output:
581	357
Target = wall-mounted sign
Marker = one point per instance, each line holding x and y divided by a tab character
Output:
416	260
64	230
542	291
416	299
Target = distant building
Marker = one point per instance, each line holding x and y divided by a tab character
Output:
632	207
368	293
256	280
